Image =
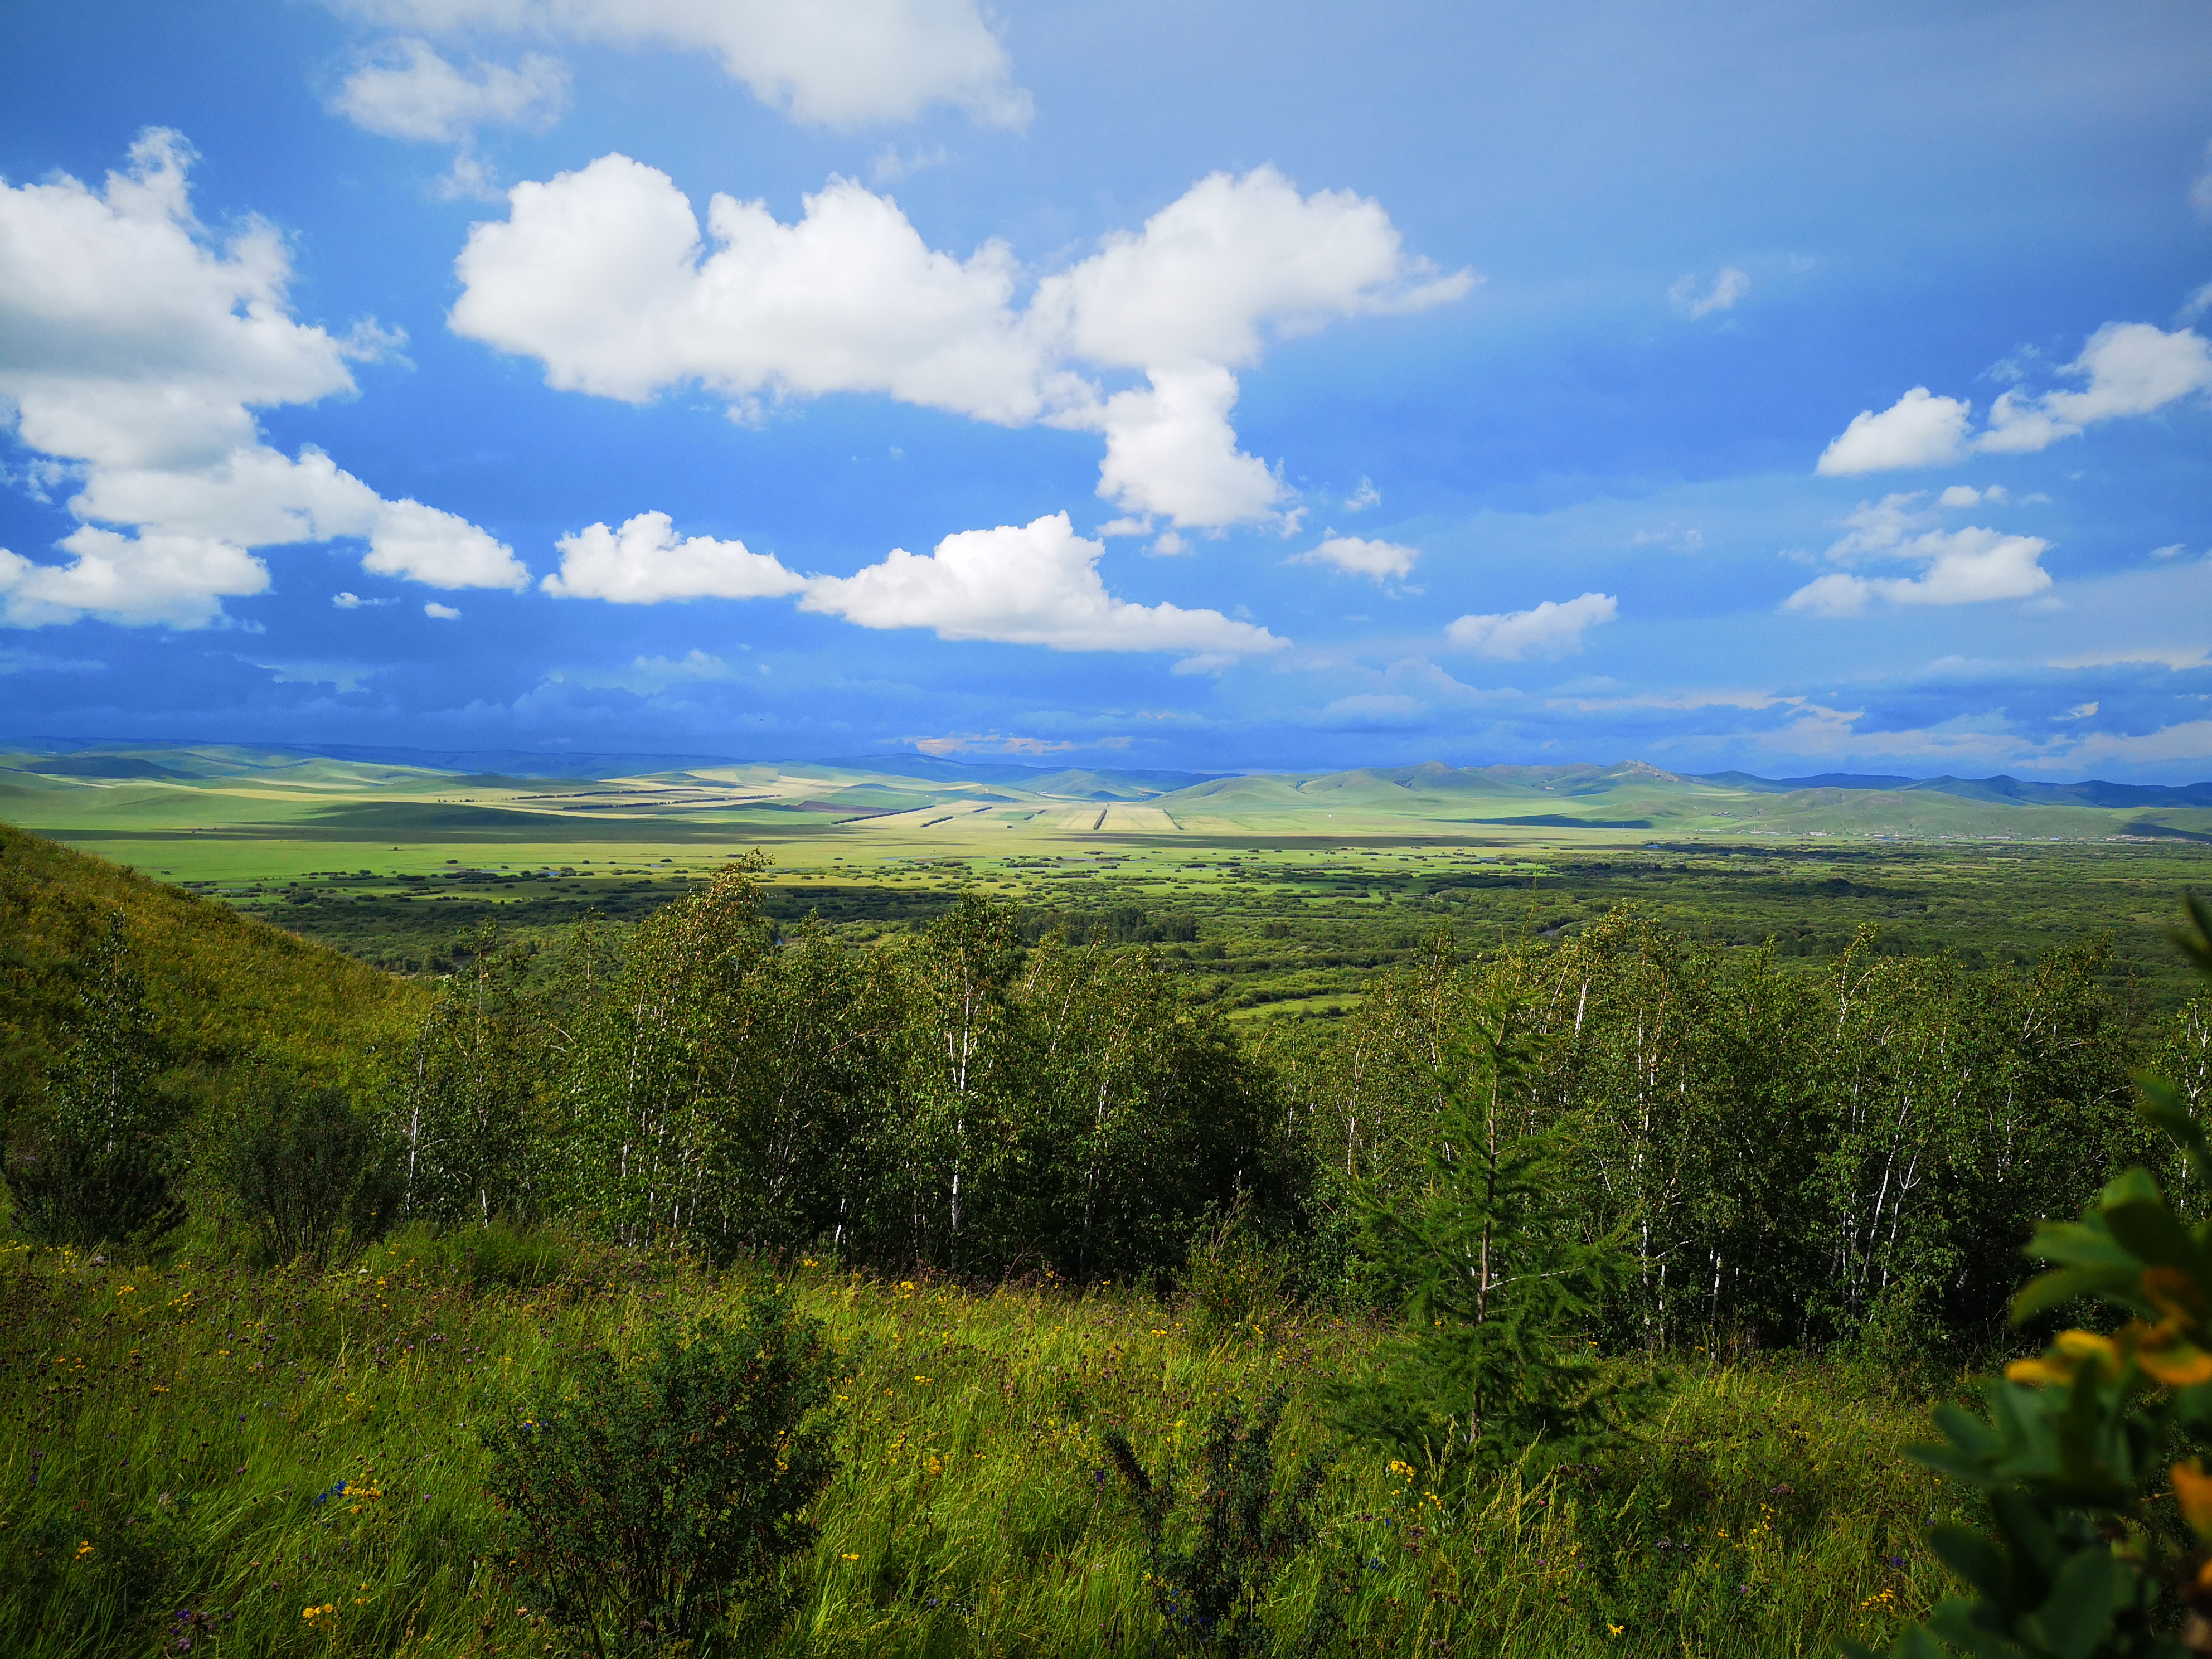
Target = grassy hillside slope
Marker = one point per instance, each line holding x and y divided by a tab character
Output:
219	984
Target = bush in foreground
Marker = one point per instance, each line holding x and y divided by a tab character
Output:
662	1500
312	1175
1212	1595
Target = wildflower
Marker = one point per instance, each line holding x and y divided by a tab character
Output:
1612	1629
2193	1488
85	1550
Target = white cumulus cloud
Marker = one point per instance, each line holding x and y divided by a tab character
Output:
1728	287
829	63
1170	451
1232	257
604	275
134	350
1967	496
1965	567
179	581
406	89
1918	430
1034	584
1552	628
601	275
2131	368
1968	565
645	563
438	612
1383	560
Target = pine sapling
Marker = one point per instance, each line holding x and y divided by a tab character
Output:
1499	1286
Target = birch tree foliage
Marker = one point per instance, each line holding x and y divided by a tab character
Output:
962	1061
2092	1455
1794	1158
1142	1115
467	1112
646	1051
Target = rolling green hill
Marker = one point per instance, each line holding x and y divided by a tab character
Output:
219	984
897	806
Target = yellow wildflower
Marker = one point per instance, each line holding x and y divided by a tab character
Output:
2193	1487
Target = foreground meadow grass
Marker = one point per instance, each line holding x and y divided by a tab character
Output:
210	1460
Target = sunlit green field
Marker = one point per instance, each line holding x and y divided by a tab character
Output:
275	1463
1282	892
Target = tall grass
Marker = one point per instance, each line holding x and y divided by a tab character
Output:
212	1460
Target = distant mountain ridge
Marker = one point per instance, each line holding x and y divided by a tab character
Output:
1357	787
2091	792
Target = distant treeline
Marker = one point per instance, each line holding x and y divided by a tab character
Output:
1794	1159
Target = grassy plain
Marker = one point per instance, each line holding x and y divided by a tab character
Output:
288	1464
1283	892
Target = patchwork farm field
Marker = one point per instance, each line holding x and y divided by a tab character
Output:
1283	892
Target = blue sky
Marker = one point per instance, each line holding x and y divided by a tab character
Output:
1809	388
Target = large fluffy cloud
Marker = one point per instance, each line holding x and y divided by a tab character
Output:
134	350
2131	368
1033	583
1230	258
178	580
1170	451
1968	566
603	275
1552	628
834	63
644	562
600	274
